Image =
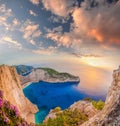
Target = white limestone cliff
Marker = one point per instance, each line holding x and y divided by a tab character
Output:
11	86
110	115
39	74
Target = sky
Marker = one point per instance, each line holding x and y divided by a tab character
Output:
77	36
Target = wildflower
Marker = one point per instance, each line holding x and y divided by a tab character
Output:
14	108
6	104
1	102
16	111
6	119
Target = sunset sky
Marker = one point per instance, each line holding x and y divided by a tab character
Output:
77	36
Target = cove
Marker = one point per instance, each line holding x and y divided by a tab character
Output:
50	95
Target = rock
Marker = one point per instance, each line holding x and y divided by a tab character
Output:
110	115
11	86
85	107
43	74
51	115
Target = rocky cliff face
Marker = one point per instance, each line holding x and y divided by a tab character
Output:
39	74
10	85
110	115
85	107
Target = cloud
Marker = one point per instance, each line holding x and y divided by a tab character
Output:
104	28
80	55
50	50
95	23
30	31
11	42
58	19
35	2
66	39
31	12
4	11
5	14
15	22
58	7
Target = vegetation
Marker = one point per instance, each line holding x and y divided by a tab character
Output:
9	114
57	109
54	73
66	118
97	104
24	70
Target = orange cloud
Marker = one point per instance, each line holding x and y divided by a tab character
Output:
94	33
98	24
58	7
36	2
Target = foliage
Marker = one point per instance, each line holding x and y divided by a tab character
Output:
50	71
9	114
54	73
57	109
97	104
66	118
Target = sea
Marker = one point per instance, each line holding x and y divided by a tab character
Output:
47	96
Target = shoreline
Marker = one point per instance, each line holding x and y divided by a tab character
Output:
50	82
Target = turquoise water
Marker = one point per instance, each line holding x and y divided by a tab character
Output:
50	95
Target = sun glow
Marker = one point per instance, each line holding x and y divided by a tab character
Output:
95	62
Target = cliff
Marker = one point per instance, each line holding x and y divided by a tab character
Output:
110	115
48	75
23	69
10	85
107	115
85	107
9	114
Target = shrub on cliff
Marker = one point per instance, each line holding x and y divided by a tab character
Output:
66	118
9	114
97	104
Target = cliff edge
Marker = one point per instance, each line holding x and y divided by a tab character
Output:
110	115
10	85
48	75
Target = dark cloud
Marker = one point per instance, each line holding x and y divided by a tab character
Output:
80	55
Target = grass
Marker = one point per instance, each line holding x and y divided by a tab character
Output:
54	73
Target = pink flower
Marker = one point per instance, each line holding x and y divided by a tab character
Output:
14	108
7	104
23	124
6	119
1	102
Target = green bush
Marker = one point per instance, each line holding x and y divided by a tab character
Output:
66	118
57	109
97	104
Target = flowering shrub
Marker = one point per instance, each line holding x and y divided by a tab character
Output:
1	102
9	114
